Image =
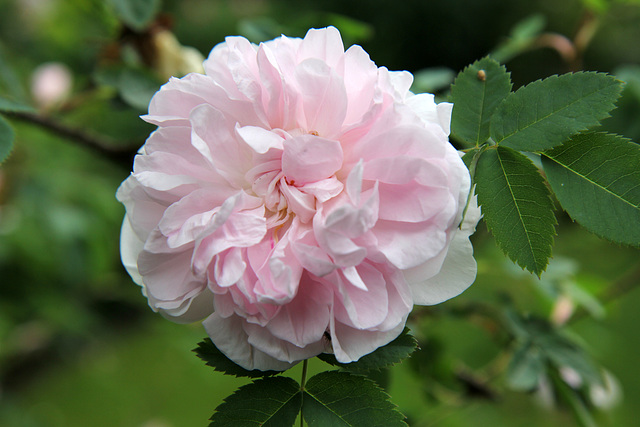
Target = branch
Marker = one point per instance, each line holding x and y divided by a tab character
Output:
104	147
619	288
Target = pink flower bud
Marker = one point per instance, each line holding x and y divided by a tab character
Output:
50	84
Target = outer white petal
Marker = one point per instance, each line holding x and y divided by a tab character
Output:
190	310
262	340
350	344
130	248
444	116
429	112
194	309
230	338
401	82
324	43
458	270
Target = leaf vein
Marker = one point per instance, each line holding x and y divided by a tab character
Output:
595	183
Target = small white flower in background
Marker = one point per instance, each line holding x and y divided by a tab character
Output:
570	376
603	396
51	84
607	395
299	199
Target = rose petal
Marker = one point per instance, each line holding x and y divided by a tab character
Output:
230	338
362	308
308	158
259	139
350	344
324	44
407	244
458	269
303	320
214	136
130	246
324	98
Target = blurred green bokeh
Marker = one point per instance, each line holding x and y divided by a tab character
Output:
78	344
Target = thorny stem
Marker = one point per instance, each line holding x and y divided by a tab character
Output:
95	143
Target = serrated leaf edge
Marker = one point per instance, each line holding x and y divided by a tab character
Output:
536	272
545	153
554	77
484	90
387	398
600	235
253	384
12	139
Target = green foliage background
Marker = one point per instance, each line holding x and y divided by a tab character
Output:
79	346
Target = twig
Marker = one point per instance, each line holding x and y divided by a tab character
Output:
619	288
561	44
119	154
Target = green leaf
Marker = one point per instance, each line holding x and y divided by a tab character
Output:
543	341
6	139
352	30
468	157
630	75
137	88
383	357
575	401
598	6
516	207
525	368
523	36
213	357
432	80
10	106
10	82
260	28
596	178
136	13
545	113
339	399
562	353
476	93
267	402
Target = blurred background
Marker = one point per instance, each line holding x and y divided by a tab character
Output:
79	345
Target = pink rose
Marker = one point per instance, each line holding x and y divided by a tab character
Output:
297	198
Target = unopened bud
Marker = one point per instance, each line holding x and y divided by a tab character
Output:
50	84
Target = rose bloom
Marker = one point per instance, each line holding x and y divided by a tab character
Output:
299	199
